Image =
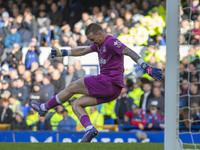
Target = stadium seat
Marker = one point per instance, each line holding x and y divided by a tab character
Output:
109	121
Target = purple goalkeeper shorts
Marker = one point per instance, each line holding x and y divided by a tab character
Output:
104	90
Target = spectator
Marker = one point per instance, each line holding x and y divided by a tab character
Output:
10	39
194	94
5	95
45	66
65	31
15	104
112	17
153	23
157	99
185	28
37	94
6	86
14	58
31	119
25	30
145	7
21	92
154	119
13	73
137	15
48	87
51	69
71	76
100	18
56	117
39	76
61	68
195	113
139	34
58	81
27	80
160	7
43	25
30	20
128	21
85	16
35	7
159	40
193	73
123	105
144	100
83	41
79	71
21	70
19	123
136	117
5	20
6	113
43	124
56	20
119	26
4	74
64	9
31	55
96	117
77	31
125	37
108	111
68	123
183	72
136	93
34	67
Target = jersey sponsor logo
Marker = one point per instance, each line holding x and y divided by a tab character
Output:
117	43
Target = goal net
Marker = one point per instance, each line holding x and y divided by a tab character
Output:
182	95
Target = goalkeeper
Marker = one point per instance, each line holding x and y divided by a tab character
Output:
97	89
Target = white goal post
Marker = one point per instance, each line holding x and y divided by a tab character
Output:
171	138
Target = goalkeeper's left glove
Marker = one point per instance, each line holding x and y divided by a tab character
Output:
155	73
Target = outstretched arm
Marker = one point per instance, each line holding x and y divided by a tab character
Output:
78	51
129	52
153	72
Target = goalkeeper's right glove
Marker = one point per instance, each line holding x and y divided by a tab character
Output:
55	52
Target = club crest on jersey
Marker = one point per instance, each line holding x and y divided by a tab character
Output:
102	61
117	43
104	49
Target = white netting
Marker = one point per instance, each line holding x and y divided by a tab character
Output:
189	98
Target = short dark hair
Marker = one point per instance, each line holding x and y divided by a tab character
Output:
94	28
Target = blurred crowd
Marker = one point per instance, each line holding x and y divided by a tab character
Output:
33	24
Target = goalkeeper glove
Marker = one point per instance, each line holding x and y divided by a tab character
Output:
56	52
155	73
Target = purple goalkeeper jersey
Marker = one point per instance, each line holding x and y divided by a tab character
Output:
111	60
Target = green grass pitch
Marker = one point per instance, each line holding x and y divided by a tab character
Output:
85	146
81	146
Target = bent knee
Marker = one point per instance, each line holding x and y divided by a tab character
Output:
76	104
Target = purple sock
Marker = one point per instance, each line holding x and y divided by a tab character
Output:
51	103
85	120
